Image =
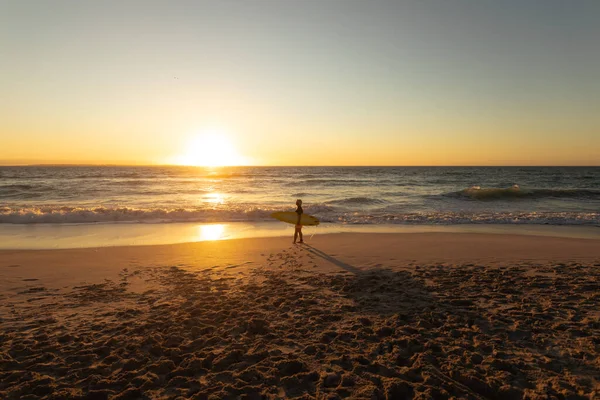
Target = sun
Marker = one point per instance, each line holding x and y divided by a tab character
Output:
210	149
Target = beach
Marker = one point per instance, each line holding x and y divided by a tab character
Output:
440	159
346	315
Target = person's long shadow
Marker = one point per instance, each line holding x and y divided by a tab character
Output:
335	261
376	290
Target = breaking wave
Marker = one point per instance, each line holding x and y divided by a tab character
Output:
325	212
64	214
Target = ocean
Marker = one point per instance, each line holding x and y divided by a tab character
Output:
337	195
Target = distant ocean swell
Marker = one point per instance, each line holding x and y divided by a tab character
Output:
515	192
357	201
29	191
44	191
327	213
332	182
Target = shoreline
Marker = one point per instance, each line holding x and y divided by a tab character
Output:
397	250
65	236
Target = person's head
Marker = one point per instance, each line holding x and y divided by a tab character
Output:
299	202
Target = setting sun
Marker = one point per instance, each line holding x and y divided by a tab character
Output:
210	149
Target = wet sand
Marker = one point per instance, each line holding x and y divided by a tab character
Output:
416	316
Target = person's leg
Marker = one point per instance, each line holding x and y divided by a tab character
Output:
301	237
296	235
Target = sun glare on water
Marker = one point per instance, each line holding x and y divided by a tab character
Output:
210	149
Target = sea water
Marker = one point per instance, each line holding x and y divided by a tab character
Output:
340	195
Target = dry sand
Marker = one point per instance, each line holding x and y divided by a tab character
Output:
415	316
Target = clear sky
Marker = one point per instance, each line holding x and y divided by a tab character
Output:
308	82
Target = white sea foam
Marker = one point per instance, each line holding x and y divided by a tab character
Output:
63	214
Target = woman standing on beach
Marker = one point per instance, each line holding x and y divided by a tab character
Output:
298	230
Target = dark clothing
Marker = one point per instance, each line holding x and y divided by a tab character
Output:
298	226
299	211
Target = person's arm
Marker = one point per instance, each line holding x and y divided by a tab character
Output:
299	212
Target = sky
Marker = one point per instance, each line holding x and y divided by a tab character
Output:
311	82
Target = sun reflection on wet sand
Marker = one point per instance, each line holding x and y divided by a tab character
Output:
211	232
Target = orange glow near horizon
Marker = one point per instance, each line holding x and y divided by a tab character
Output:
393	83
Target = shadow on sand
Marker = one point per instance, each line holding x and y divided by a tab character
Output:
380	291
435	332
335	261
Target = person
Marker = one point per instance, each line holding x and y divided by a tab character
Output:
298	230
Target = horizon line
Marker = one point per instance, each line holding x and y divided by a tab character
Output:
292	166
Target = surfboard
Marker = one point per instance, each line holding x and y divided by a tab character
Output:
291	218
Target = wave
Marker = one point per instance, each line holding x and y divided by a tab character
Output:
395	194
79	215
338	182
108	174
516	192
325	212
66	214
357	201
24	191
17	187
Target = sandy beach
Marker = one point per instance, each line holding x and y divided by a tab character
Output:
365	316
